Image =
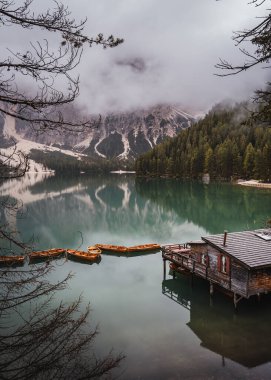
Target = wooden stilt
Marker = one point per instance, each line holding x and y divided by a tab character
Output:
236	299
164	263
211	288
211	294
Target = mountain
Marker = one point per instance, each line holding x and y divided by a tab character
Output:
119	135
128	135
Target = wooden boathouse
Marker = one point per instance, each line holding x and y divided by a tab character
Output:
239	263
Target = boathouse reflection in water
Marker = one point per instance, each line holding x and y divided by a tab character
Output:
243	337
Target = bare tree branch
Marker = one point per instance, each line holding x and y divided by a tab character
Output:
42	65
260	38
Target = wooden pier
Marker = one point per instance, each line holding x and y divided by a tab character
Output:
238	263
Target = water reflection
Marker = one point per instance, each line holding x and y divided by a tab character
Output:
215	207
130	255
134	316
243	337
123	210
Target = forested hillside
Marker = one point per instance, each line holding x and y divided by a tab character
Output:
224	144
68	165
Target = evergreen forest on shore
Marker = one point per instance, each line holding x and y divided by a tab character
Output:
227	144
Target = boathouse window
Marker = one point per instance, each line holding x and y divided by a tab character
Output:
224	264
204	259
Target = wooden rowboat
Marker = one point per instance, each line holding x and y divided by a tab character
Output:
74	254
110	247
94	250
48	254
123	249
11	260
144	247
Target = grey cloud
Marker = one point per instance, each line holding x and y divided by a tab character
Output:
136	64
168	56
175	44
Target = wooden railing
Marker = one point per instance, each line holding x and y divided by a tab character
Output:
188	262
182	259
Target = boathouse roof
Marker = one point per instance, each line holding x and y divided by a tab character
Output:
252	248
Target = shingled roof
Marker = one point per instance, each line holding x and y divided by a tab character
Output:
248	247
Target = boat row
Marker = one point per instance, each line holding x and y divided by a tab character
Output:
93	253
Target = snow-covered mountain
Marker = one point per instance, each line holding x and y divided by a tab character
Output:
119	135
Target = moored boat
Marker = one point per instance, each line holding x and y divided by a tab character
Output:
11	260
74	254
47	254
123	250
94	250
110	247
144	247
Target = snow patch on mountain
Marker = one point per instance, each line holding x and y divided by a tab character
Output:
9	129
83	144
125	153
182	113
96	149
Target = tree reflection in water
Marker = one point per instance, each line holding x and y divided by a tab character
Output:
215	207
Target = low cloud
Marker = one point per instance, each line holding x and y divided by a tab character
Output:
168	56
169	53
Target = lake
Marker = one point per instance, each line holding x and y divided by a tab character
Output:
168	329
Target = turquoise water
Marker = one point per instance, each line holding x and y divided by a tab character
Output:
168	329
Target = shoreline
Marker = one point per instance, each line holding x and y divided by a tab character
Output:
254	183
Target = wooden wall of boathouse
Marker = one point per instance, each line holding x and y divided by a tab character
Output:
239	278
259	281
236	277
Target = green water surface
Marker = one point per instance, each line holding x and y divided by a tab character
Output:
168	329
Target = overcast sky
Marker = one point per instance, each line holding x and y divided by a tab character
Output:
169	53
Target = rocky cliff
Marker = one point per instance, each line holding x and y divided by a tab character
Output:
119	135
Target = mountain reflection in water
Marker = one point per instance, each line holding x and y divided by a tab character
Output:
132	211
242	336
